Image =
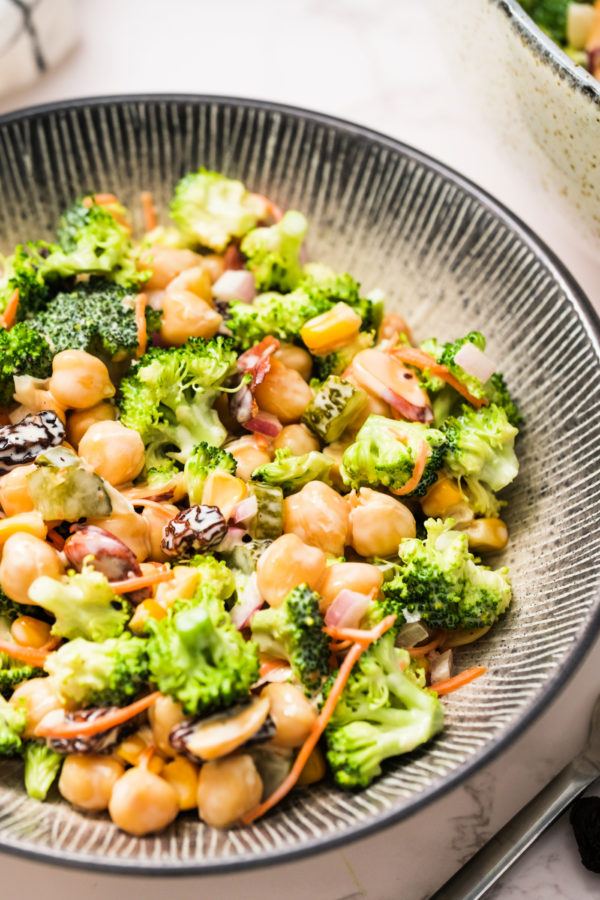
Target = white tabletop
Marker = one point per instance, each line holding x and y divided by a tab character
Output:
382	63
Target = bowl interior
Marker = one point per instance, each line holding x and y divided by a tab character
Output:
451	260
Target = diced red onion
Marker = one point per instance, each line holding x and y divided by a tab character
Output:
440	666
232	539
248	602
411	634
264	423
475	362
278	674
347	609
235	284
245	509
250	359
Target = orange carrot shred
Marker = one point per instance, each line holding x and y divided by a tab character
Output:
417	473
28	655
269	665
424	649
140	323
111	719
321	721
10	312
140	581
413	356
451	684
150	220
270	208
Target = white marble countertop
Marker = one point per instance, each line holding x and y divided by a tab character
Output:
377	62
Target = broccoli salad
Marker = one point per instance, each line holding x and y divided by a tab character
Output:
574	26
243	513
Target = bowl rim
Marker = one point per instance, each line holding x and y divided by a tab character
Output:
549	51
590	321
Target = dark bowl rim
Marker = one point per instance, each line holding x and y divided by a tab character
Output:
548	50
591	323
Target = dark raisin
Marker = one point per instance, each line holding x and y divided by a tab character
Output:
23	442
194	530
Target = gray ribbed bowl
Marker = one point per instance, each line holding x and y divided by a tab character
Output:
450	259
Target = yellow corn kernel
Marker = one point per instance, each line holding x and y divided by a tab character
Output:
181	586
147	609
182	775
487	535
331	330
132	747
441	496
224	490
314	770
29	522
30	632
156	764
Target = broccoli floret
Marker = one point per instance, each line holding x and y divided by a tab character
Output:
110	673
41	768
213	576
13	719
551	16
205	459
291	473
381	713
162	474
22	352
498	393
168	397
83	603
337	362
377	457
199	658
210	209
442	583
23	271
272	253
13	673
294	632
481	446
97	317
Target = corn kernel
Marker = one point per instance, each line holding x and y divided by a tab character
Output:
223	490
147	609
331	330
182	775
30	632
29	522
441	496
314	770
487	535
132	748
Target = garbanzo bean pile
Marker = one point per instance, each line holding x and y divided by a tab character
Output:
243	511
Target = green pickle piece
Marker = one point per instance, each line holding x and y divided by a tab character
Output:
62	487
267	524
336	404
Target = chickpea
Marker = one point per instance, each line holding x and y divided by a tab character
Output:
131	528
360	577
182	775
195	280
378	523
284	393
24	559
165	263
228	788
319	516
40	699
79	380
250	453
297	438
79	420
87	781
186	315
142	802
164	715
285	564
113	451
335	452
14	491
291	712
295	358
156	518
30	632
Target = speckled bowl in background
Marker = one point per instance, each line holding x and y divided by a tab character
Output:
450	259
543	105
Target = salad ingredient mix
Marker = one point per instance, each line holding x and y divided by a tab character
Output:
575	26
242	513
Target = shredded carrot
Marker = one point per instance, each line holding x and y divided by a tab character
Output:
10	312
140	581
111	719
339	646
451	684
269	665
270	208
413	356
358	635
100	199
321	721
424	649
150	220
27	655
140	324
417	473
56	539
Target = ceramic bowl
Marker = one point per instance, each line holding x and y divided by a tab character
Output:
450	259
546	108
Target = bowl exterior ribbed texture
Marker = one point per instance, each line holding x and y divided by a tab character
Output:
450	261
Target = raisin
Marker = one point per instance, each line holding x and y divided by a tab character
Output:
194	530
23	442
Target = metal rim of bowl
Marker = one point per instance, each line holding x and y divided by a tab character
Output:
591	322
